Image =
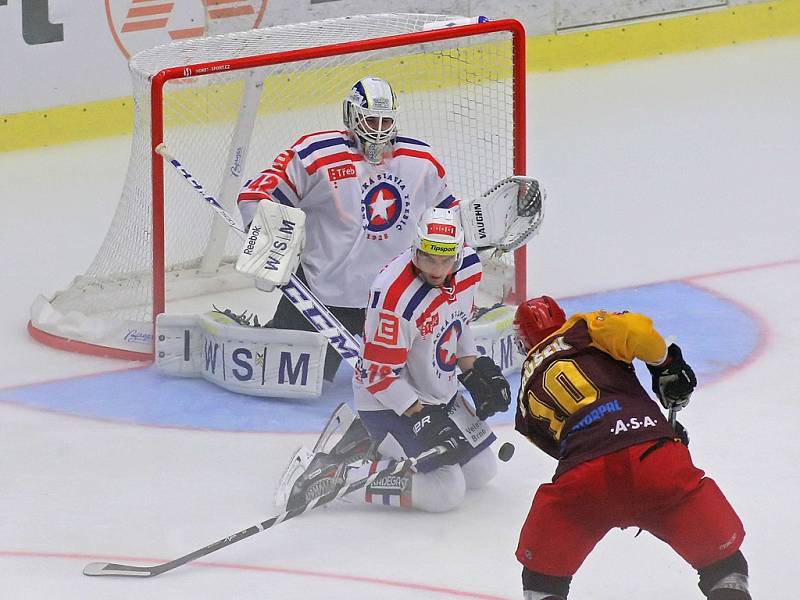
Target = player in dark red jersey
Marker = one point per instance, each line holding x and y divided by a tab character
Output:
620	462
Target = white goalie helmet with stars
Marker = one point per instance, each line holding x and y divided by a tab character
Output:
370	114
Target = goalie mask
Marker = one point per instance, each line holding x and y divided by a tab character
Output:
536	319
370	111
439	236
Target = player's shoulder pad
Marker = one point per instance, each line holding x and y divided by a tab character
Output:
411	142
603	320
471	262
396	287
390	273
313	146
625	335
417	150
470	272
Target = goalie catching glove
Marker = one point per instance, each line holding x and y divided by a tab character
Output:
489	389
504	217
673	380
274	244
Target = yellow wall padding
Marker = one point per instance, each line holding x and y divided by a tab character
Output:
696	31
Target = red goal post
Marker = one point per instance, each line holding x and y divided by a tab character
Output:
227	105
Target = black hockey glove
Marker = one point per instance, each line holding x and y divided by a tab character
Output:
673	380
433	427
489	388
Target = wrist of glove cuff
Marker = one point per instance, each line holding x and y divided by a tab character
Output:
673	380
433	427
488	387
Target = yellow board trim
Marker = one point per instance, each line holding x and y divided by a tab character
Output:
558	52
65	124
695	31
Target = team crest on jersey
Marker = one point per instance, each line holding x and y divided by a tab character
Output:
446	355
429	325
385	206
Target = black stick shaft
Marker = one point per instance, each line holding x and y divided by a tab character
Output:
101	568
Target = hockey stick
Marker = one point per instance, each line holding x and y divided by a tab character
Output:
104	568
295	290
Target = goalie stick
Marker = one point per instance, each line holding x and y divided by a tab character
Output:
295	290
105	568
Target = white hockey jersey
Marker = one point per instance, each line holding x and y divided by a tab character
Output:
359	216
413	335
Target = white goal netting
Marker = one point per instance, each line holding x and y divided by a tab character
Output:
226	121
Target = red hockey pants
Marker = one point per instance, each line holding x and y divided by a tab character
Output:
664	494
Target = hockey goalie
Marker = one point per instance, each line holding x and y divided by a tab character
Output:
321	228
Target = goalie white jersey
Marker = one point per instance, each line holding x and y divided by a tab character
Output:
413	336
358	215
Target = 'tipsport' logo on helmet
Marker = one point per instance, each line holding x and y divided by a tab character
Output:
438	248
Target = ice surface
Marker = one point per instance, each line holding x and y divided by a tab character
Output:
678	168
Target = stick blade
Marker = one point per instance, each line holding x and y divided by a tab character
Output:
96	569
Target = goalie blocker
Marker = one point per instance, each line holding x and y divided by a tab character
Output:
274	244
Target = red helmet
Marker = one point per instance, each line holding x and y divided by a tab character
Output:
535	319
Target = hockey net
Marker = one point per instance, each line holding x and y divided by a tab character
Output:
226	105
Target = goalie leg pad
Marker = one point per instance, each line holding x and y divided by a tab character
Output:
288	317
247	360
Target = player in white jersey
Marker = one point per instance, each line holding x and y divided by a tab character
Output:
362	190
416	336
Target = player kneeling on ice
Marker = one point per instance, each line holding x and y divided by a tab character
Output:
417	336
621	463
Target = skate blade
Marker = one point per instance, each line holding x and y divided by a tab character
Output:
337	424
296	467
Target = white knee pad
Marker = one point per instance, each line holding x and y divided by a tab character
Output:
439	490
480	470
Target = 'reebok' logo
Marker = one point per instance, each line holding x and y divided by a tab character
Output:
140	24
